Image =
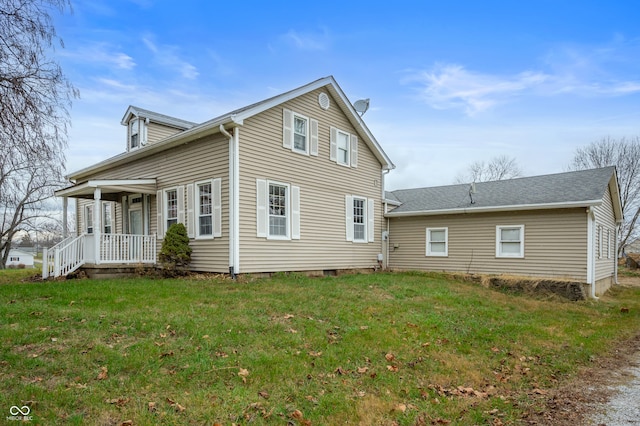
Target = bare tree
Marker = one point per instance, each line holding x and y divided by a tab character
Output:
625	155
498	168
34	100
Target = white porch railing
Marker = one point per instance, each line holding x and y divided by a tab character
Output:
72	253
124	248
63	258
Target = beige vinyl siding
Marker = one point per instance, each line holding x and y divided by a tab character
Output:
157	132
605	219
194	162
323	186
555	243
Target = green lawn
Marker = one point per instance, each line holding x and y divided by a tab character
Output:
377	349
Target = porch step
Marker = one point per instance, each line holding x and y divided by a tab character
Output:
112	271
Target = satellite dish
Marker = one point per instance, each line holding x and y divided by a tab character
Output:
361	106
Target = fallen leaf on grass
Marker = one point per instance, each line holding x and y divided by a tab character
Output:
292	330
179	408
362	370
315	354
264	394
389	357
120	402
392	368
288	316
151	406
127	423
166	354
400	408
103	375
243	373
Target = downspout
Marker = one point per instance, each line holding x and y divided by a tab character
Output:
615	264
385	243
591	240
234	247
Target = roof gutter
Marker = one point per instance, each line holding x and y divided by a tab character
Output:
496	209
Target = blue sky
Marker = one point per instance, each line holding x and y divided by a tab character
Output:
450	82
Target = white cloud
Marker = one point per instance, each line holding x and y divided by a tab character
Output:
448	86
168	56
101	54
308	41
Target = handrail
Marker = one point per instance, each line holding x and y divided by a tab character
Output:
63	258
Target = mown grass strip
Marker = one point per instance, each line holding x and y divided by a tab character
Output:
358	349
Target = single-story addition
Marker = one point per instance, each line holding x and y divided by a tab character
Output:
19	257
555	226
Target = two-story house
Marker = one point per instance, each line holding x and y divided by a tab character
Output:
291	183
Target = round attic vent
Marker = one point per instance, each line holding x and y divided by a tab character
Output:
323	100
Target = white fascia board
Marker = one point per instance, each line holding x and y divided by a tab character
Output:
497	209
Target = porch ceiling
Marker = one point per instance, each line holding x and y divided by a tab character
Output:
109	188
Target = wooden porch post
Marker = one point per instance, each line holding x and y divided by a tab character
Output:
97	221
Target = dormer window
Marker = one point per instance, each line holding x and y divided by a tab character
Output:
137	133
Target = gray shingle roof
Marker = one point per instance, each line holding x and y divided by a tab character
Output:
561	188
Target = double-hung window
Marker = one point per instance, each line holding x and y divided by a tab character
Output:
437	242
343	148
171	197
278	210
88	218
107	218
510	241
137	133
205	209
359	218
299	133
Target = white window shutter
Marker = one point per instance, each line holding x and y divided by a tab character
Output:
217	207
287	128
295	212
191	217
370	219
261	197
160	210
180	202
313	148
348	206
333	145
354	151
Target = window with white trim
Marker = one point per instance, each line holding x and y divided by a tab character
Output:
343	147
137	133
204	194
171	207
600	241
88	219
278	210
437	242
14	259
510	241
359	218
107	218
299	133
610	243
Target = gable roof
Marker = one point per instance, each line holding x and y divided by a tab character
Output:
582	188
156	117
236	118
